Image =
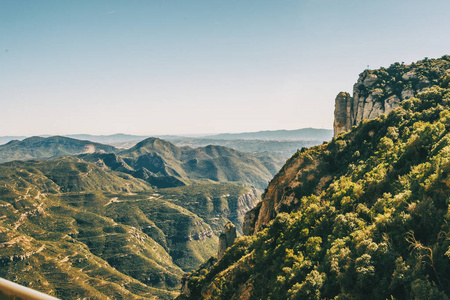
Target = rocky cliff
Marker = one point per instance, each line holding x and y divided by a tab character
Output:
238	208
379	91
226	239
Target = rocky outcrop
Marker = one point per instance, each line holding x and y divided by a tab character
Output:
285	190
342	112
379	91
248	227
240	206
375	93
226	239
368	102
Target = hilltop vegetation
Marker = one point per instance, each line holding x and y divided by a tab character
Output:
364	216
379	91
400	79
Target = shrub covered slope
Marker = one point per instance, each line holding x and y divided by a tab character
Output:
365	216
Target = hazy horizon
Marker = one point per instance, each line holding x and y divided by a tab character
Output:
175	134
198	67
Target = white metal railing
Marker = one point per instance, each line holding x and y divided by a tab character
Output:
13	290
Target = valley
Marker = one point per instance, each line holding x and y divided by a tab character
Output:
102	234
122	223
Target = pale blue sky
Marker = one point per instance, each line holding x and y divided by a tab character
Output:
178	67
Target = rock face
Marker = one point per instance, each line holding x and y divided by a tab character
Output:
342	112
379	91
241	206
285	190
248	227
367	103
226	239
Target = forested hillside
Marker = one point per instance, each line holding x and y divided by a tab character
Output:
365	216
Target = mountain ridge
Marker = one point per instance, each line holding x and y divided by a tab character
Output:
160	161
283	134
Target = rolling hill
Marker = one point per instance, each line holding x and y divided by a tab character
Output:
42	148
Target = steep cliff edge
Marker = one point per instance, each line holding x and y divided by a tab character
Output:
379	91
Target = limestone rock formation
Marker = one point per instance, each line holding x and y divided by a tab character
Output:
241	206
342	112
368	102
248	227
379	91
226	238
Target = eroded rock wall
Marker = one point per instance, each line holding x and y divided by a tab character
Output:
379	91
368	102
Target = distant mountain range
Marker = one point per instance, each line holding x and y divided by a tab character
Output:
275	135
277	148
163	164
279	135
280	143
153	160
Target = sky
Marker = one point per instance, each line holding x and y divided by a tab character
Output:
197	67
